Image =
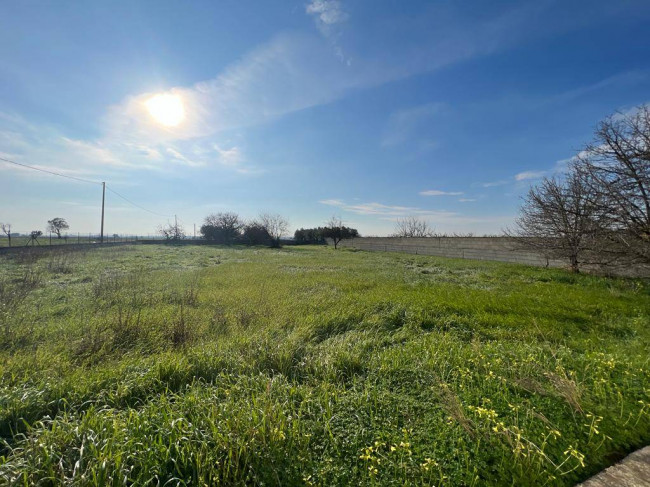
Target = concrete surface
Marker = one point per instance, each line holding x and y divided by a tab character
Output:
632	471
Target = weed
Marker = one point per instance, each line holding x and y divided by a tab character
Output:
180	332
126	329
60	262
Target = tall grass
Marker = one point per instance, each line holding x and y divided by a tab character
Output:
207	366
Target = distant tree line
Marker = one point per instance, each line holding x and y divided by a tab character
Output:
598	212
306	236
228	228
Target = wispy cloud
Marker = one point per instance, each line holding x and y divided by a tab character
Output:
383	210
403	124
332	202
619	80
111	156
287	74
492	184
519	177
437	192
329	15
327	12
443	220
466	200
178	156
530	175
229	157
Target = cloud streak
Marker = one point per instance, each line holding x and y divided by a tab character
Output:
327	12
329	15
530	175
443	220
437	192
404	123
383	210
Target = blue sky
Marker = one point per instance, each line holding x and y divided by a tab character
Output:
369	110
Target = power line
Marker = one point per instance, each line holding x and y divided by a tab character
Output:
49	172
135	204
83	181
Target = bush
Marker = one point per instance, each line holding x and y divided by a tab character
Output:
255	234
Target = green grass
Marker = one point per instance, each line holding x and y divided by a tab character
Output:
308	366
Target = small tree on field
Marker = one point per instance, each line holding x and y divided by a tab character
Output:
412	226
222	227
558	218
255	234
6	229
57	225
172	231
335	230
276	227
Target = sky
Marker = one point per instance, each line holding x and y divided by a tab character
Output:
369	110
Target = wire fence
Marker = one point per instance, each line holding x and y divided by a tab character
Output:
26	240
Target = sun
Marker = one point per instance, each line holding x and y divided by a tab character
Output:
166	109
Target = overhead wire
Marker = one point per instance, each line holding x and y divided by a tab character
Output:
135	204
83	181
49	172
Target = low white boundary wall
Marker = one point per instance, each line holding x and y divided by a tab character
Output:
503	249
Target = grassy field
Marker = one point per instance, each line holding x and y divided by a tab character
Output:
308	366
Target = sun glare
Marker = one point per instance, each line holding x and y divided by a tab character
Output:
166	109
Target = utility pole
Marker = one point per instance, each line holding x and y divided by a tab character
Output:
195	231
101	238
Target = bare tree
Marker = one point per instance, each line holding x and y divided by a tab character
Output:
412	226
172	231
57	225
618	165
275	225
222	227
558	218
335	230
6	229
